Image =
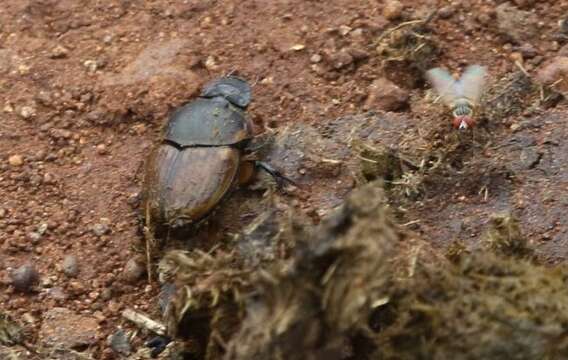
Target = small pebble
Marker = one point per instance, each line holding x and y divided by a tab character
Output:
446	12
91	65
25	277
107	39
393	9
106	294
70	266
100	229
57	293
16	160
133	271
42	228
528	51
59	52
27	112
34	237
516	57
101	149
316	58
344	30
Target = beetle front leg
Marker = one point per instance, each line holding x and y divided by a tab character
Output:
250	164
277	175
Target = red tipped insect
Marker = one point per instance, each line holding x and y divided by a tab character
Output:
462	95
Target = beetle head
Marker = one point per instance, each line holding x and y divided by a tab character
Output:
236	90
463	122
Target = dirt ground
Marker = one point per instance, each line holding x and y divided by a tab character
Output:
87	86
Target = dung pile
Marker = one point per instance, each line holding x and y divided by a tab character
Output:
358	287
319	306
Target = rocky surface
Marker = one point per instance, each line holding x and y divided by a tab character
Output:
62	328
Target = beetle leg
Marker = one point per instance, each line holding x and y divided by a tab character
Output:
158	345
277	175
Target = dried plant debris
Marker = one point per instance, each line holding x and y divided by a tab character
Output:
319	305
400	174
407	51
504	236
10	332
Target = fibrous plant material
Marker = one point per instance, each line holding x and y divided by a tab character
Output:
352	292
504	236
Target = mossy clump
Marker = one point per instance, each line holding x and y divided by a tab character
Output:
352	290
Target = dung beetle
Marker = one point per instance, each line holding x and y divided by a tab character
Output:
201	156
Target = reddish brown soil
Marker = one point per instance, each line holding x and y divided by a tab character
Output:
86	87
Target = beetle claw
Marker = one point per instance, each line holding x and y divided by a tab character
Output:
277	175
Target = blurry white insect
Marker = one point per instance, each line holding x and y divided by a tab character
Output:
462	95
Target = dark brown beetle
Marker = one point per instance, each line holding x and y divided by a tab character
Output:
201	156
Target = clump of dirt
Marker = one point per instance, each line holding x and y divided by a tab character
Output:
510	96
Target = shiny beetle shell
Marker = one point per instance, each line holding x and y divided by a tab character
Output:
207	122
198	160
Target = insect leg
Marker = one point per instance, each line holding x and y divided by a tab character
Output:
277	175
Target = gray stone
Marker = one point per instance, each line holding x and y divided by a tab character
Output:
70	266
120	343
25	277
